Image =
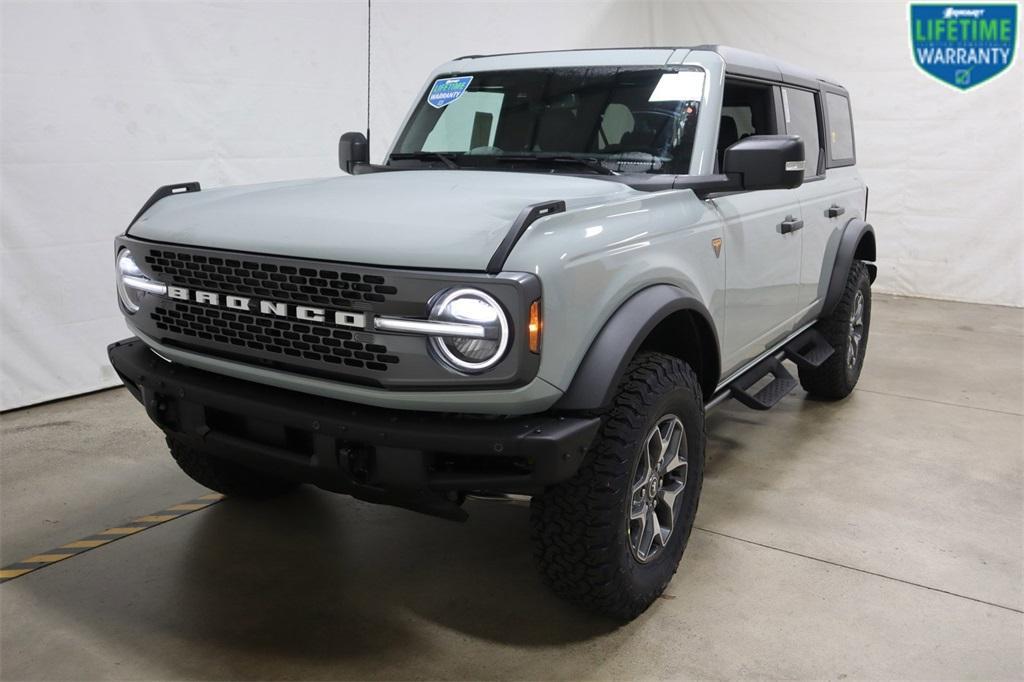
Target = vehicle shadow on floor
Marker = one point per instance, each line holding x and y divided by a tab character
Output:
318	575
324	580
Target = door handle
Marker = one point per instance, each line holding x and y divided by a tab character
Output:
791	224
834	211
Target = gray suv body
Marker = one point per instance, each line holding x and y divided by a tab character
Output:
566	258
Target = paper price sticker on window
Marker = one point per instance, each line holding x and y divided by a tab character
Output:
681	86
447	90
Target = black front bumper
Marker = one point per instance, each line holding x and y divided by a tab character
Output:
411	459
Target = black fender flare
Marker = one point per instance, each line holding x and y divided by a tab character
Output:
857	242
598	375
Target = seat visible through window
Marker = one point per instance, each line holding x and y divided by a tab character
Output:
728	134
746	110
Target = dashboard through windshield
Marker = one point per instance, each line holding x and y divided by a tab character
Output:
578	120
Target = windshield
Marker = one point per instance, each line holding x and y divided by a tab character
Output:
592	119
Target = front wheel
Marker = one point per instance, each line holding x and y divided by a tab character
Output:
611	537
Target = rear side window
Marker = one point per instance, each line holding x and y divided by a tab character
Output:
801	112
840	130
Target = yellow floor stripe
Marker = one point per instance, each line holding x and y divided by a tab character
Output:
156	518
76	547
84	544
44	558
121	531
7	573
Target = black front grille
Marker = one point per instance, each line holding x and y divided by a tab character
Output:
274	336
205	312
323	286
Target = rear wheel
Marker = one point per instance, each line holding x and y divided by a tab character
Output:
846	328
224	476
611	537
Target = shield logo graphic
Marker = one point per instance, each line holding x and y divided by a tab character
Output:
963	45
447	90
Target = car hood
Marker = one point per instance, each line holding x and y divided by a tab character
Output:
435	219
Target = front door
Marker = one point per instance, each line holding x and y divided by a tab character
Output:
762	271
762	238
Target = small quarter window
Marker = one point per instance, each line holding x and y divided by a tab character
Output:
840	130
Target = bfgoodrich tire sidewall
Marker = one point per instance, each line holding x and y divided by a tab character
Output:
853	373
654	575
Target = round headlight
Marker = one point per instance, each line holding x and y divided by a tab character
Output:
474	353
132	282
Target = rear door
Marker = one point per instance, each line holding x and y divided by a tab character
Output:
832	192
762	256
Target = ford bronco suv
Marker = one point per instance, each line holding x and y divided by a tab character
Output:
564	260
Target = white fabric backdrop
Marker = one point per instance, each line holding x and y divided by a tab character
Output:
944	167
100	103
104	102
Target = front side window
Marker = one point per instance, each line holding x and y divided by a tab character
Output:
801	112
605	119
747	109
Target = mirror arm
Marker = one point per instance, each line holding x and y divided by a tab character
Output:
363	167
702	186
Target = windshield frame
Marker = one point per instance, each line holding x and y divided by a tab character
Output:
537	161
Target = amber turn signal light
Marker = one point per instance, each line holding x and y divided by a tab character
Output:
535	326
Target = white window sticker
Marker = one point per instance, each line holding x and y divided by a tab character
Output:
785	104
681	86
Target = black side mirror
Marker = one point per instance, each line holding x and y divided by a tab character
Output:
353	150
766	162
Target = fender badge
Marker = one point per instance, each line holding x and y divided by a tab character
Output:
716	244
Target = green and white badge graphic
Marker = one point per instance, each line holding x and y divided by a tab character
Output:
963	45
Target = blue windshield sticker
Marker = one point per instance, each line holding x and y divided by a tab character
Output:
447	90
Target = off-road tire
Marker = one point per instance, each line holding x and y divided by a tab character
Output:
224	476
579	528
836	378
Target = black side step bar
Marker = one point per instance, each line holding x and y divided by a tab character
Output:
766	398
808	350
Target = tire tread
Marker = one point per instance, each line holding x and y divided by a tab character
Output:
830	380
573	524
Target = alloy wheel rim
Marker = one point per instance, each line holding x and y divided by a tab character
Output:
856	335
658	481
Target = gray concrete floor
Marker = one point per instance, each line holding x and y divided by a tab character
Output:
880	537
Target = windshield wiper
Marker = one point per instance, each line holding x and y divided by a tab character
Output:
424	156
590	162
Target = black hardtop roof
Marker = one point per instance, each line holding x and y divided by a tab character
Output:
738	62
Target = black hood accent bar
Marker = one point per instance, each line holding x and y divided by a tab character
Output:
527	217
165	191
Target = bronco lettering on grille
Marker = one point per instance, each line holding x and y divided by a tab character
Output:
306	313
